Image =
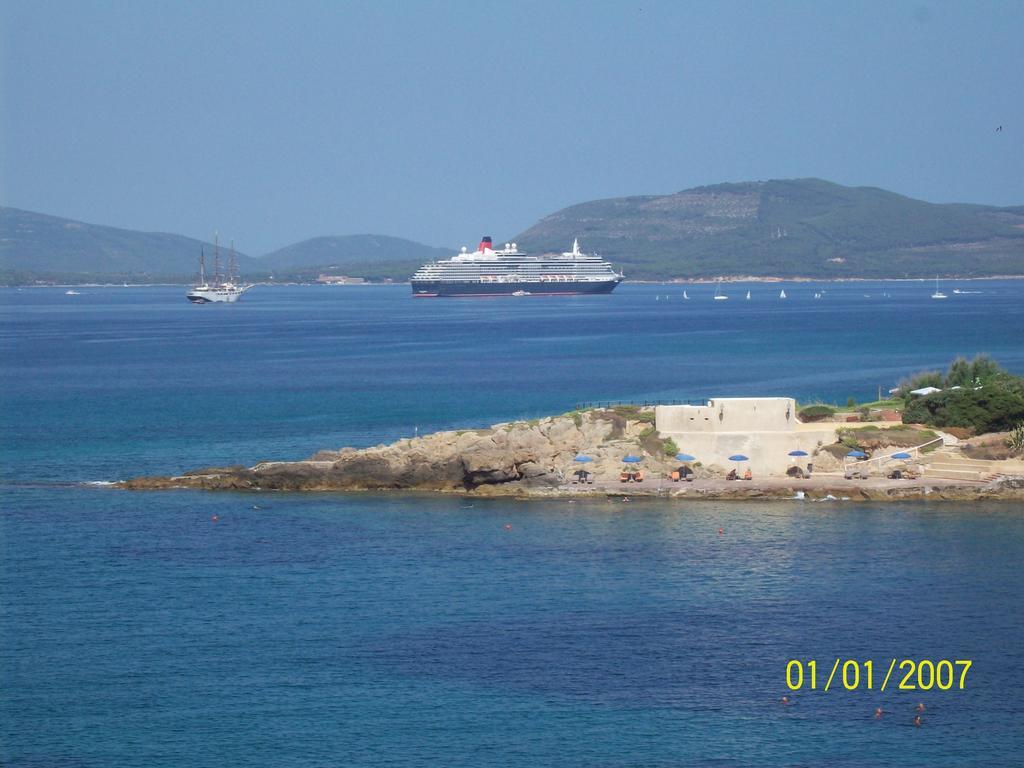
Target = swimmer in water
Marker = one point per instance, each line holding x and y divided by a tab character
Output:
920	707
917	721
784	701
878	713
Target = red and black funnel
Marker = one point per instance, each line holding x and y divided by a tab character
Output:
485	243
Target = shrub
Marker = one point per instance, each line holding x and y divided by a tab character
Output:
671	449
1015	442
816	412
996	407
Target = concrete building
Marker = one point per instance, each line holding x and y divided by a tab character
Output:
765	429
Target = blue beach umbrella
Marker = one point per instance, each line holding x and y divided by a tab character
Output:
900	455
798	453
738	457
582	459
856	455
632	459
685	457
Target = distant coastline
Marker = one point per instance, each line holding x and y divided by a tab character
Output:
731	279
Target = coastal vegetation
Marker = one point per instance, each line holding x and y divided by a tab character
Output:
816	412
976	395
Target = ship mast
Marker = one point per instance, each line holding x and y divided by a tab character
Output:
232	265
216	261
202	266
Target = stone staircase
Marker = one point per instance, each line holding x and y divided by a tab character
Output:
950	464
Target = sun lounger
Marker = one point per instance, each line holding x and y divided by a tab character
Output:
624	477
675	477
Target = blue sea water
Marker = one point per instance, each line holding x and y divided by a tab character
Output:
341	629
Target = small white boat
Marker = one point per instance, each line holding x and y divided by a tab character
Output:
782	293
748	295
71	292
938	294
719	296
685	296
520	293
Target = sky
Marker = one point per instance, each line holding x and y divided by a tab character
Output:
274	122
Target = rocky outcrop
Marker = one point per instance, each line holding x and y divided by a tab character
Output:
537	459
518	456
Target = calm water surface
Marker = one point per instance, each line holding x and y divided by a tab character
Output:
302	630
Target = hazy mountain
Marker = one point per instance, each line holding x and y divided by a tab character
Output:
371	256
799	227
794	227
37	243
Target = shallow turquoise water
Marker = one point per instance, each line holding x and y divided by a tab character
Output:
409	630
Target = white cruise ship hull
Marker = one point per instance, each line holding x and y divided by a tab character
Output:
216	294
510	272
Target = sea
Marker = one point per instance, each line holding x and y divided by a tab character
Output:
186	628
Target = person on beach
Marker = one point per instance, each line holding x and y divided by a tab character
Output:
747	475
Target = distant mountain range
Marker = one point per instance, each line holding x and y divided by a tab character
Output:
34	245
799	227
787	228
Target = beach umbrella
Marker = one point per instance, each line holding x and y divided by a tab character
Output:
856	455
632	459
738	457
582	459
798	453
900	455
685	457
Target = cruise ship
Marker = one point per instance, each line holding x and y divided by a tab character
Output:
510	272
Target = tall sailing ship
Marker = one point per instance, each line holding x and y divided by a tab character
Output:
222	288
510	272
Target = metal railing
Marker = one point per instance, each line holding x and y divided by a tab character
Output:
865	464
591	404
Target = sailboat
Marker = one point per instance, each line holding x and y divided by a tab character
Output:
719	296
748	295
222	289
782	293
938	294
685	296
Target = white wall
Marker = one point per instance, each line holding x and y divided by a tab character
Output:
761	428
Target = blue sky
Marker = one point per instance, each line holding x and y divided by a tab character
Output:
274	122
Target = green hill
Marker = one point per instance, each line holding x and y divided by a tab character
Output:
799	227
34	244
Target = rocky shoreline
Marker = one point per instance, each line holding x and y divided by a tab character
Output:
536	460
